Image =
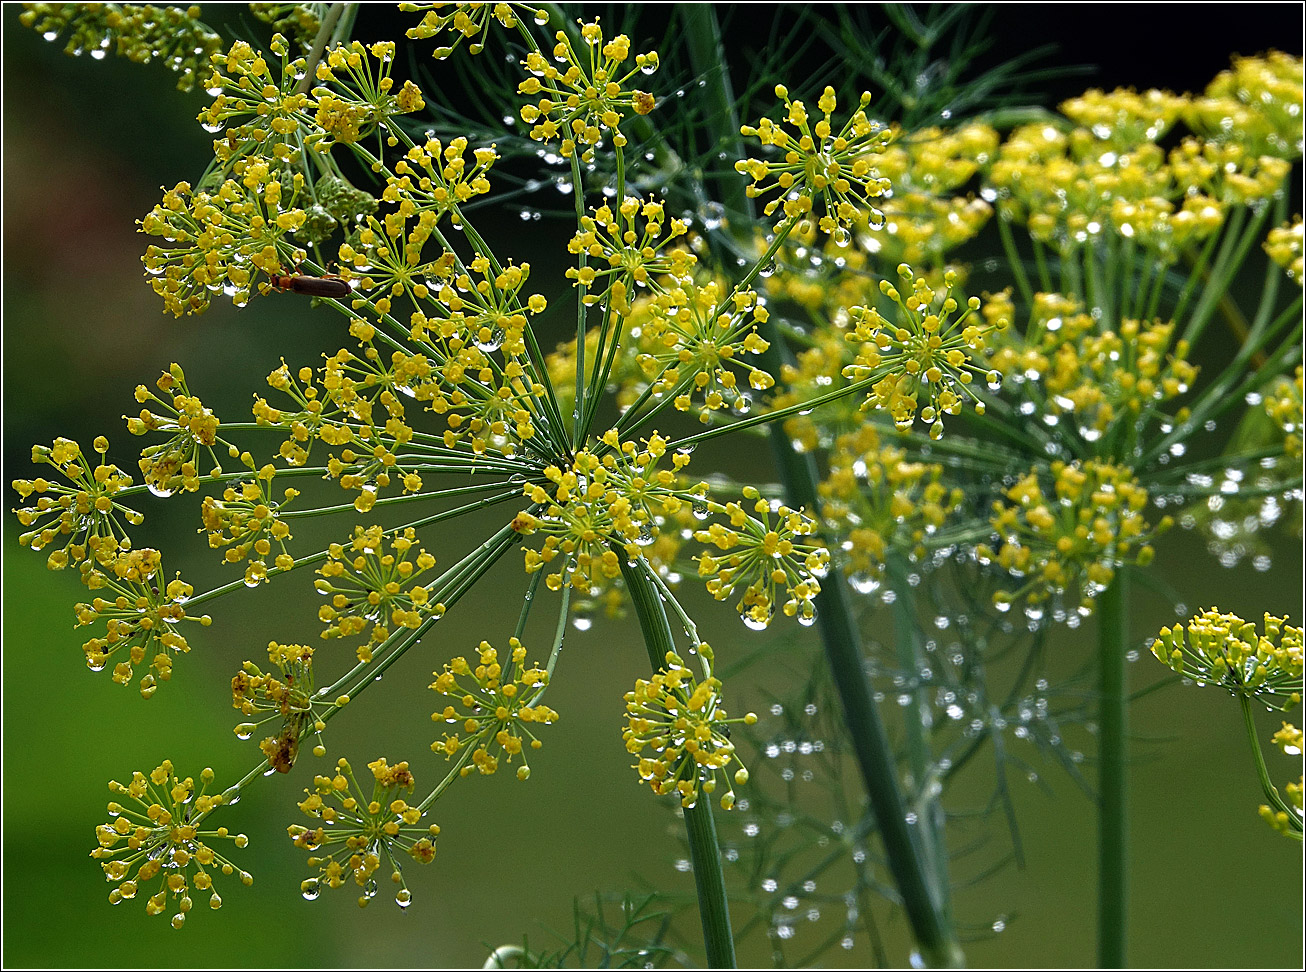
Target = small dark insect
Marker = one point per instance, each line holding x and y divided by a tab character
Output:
281	754
312	286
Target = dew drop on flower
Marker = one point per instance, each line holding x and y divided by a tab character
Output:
489	340
310	889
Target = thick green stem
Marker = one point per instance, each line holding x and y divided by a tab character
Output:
1113	833
935	938
704	854
929	810
1272	797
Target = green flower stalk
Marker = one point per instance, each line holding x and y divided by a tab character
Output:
1287	820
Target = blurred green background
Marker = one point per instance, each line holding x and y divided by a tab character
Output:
86	147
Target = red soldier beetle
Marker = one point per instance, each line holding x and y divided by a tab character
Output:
333	287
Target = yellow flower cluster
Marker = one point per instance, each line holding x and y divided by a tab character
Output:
302	424
141	617
367	425
588	97
679	721
1284	245
494	709
1123	119
926	353
83	513
925	217
244	217
174	464
220	239
360	410
634	242
1226	172
761	552
1110	176
1068	544
246	521
1069	189
369	585
830	173
461	323
1223	649
158	835
1257	103
360	101
431	181
694	338
466	20
356	831
289	698
261	113
614	495
1098	378
139	32
881	503
300	21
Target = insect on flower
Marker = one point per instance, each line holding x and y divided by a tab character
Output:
329	286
